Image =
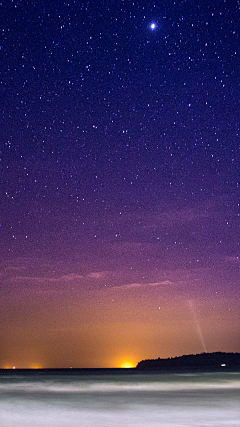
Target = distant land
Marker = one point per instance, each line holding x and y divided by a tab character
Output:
198	362
208	362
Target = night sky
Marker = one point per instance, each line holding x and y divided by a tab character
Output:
120	172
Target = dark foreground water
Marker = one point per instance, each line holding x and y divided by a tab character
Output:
119	400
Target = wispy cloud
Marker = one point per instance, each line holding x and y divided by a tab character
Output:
13	268
66	278
40	280
98	274
171	218
143	285
70	277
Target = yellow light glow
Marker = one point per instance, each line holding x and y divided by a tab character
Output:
127	364
35	366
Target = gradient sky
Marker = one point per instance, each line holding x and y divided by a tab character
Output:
120	171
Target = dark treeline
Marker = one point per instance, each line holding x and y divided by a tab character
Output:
203	361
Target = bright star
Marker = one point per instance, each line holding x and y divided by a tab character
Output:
153	26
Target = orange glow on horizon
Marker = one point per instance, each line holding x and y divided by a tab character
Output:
22	367
127	364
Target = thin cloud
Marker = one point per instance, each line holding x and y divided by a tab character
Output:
143	285
13	268
39	280
67	278
171	218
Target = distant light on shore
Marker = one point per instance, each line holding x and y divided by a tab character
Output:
127	364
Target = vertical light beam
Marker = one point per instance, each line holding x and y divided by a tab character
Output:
192	308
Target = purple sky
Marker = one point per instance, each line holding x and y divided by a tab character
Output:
119	159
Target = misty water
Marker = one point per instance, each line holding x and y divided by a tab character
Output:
119	399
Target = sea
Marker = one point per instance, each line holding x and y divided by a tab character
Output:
118	398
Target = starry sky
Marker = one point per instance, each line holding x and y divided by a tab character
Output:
119	160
